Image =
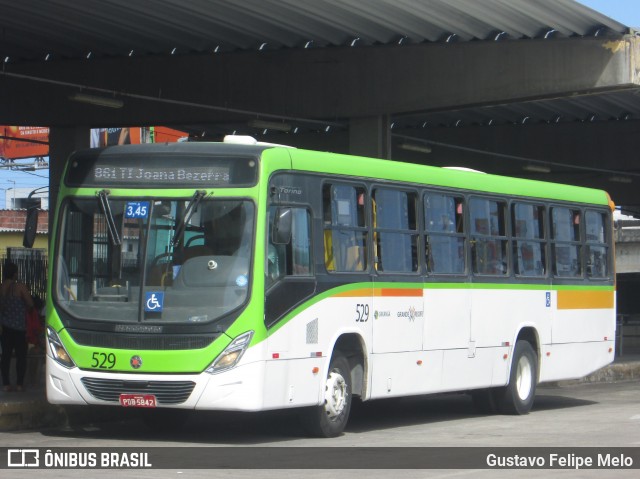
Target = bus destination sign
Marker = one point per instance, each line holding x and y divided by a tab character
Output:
142	166
210	175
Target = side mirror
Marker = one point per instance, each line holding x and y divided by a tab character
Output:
30	227
281	233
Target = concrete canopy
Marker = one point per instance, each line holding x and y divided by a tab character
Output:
498	85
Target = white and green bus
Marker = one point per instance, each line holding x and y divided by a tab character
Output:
220	276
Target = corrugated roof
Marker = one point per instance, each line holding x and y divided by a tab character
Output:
617	105
39	29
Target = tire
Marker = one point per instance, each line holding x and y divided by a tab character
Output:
517	397
330	418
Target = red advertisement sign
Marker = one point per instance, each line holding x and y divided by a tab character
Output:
23	142
18	142
101	137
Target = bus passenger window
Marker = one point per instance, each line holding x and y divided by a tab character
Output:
488	235
444	236
395	230
345	233
293	258
597	250
528	239
565	230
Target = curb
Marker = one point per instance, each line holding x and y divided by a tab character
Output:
609	374
29	414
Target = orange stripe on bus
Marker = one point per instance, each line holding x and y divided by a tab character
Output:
353	293
399	292
585	299
392	292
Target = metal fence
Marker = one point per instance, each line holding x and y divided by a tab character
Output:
32	270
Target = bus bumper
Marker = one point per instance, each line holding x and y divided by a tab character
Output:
240	389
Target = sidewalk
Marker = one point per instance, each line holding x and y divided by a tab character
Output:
30	409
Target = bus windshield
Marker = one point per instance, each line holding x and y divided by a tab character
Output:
169	260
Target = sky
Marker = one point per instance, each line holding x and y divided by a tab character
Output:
626	12
22	179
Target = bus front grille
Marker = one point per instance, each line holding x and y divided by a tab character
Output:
166	392
149	342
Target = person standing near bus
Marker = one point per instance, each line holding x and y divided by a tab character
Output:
15	301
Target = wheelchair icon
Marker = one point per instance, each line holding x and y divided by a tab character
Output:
154	301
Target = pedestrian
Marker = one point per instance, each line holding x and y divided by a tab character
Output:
15	301
35	325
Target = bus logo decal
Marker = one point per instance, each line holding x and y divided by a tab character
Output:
412	313
136	362
548	294
290	190
154	301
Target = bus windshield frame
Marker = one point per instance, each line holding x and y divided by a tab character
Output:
154	276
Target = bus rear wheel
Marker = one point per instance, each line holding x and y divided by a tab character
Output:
517	397
330	418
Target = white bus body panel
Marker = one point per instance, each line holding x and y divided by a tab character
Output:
459	345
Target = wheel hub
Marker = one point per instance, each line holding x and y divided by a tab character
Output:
524	375
335	395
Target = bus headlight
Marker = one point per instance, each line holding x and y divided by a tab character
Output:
231	354
57	350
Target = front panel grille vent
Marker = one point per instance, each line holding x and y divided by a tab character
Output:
166	392
144	342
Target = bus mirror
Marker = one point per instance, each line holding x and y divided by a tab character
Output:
282	226
30	227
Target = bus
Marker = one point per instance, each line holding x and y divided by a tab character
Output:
253	277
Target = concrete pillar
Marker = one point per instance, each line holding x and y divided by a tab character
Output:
62	142
370	137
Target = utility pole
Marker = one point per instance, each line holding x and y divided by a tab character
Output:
14	192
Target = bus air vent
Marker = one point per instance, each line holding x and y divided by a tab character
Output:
166	392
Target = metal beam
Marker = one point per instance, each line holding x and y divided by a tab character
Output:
594	154
331	83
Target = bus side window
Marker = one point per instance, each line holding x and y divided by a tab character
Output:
565	230
528	239
395	230
345	235
597	249
293	258
489	237
444	235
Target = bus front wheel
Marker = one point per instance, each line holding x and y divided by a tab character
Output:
517	397
330	418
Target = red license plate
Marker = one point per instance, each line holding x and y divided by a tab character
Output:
138	400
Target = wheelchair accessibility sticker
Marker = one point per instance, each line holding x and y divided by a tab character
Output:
154	301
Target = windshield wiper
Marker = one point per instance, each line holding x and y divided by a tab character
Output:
103	197
191	208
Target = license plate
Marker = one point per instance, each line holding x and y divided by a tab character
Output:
138	400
